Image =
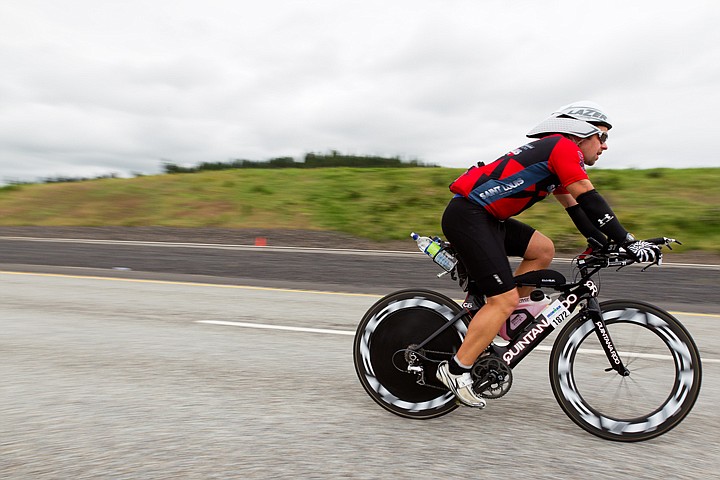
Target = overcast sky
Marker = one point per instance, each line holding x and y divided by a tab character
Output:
90	87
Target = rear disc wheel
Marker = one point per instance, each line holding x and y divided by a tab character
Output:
396	322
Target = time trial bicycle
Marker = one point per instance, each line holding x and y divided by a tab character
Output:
623	370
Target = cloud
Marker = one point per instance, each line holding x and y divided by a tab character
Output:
98	87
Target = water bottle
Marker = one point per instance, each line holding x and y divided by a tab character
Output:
434	250
527	309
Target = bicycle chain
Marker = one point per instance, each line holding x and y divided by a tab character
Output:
407	351
489	391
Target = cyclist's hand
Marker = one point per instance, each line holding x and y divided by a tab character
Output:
664	241
642	251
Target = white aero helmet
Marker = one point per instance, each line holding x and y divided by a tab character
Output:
579	119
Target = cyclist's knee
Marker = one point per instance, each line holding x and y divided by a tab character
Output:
505	302
540	249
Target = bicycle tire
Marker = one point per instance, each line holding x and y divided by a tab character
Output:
654	346
395	322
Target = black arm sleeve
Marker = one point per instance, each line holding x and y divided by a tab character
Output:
584	225
600	214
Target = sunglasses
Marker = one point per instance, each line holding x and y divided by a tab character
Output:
603	136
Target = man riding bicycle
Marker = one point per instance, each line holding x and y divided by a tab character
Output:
478	222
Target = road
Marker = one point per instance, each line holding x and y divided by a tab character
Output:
120	378
673	286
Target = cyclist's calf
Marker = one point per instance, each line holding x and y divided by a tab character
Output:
486	324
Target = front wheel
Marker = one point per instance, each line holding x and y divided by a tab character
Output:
660	355
398	321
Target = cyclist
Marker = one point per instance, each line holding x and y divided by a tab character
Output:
478	222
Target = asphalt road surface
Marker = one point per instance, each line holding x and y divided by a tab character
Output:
168	371
673	286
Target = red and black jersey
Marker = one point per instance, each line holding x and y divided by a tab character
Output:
520	178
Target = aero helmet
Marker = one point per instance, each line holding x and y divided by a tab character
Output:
579	119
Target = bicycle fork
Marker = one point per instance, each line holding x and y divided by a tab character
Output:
603	334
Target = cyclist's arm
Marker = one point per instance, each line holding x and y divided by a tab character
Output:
578	188
571	173
565	199
598	211
580	218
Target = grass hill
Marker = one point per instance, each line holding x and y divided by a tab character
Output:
374	203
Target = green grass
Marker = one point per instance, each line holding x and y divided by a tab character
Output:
375	203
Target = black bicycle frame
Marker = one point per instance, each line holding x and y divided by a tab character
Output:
541	327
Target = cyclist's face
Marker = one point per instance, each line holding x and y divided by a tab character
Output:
592	148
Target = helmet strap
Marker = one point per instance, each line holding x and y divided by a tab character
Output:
575	139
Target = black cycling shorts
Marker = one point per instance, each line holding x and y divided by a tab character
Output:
484	243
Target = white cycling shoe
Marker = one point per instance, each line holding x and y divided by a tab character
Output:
460	385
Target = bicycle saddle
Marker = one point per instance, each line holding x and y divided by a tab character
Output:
541	278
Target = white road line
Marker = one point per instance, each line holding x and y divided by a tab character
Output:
218	246
540	348
278	327
334	251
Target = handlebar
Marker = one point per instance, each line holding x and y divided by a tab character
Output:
614	255
663	241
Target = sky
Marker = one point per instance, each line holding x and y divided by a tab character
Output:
96	87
